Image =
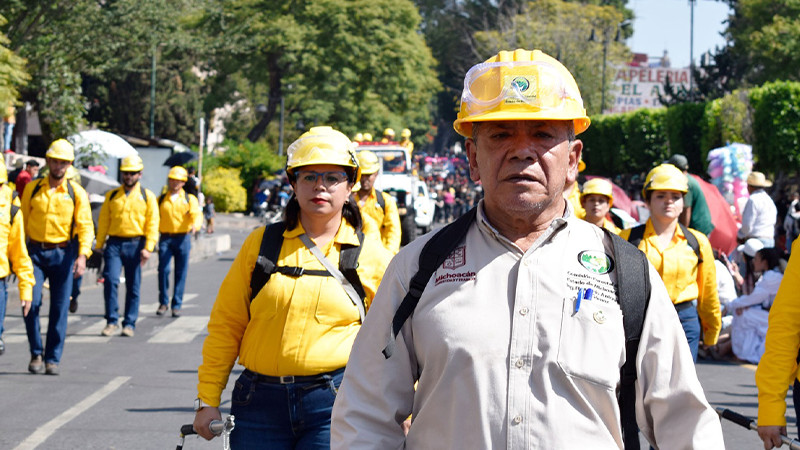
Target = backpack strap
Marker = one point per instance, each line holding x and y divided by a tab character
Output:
348	263
633	280
433	254
637	234
161	199
381	201
691	239
12	213
271	242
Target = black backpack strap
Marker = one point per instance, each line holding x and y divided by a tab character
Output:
161	199
380	199
348	263
433	254
691	239
12	213
114	193
271	242
633	281
37	187
637	233
144	193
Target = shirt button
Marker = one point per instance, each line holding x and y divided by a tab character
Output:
519	363
527	262
518	419
523	311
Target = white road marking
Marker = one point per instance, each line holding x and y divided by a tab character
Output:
45	431
181	330
17	334
151	307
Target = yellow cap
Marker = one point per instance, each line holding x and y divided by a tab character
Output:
665	177
388	132
61	149
358	137
368	162
131	163
178	173
406	133
520	85
599	186
367	137
322	145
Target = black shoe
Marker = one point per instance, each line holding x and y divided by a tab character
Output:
176	312
162	309
36	365
73	305
2	346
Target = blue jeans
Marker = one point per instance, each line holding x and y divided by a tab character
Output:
283	416
179	247
122	253
691	327
8	134
56	265
3	301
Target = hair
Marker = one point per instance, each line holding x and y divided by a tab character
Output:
771	256
350	212
32	163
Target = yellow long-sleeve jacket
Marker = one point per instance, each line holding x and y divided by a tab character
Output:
684	278
295	325
12	245
177	215
778	367
129	216
51	213
387	221
574	199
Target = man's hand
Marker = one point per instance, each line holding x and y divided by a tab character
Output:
145	256
80	266
26	307
203	418
771	436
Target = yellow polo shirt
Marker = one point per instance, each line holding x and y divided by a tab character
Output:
176	215
12	246
129	216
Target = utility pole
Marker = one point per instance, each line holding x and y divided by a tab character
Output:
691	49
153	94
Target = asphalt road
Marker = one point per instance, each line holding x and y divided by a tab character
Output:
135	393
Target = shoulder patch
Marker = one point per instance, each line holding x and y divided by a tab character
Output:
596	261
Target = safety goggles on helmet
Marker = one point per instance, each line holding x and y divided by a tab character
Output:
535	83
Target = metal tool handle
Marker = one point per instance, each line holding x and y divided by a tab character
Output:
751	424
218	427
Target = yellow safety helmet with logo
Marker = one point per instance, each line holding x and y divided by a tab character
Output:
61	149
178	173
368	162
406	133
599	186
131	163
665	177
322	145
520	85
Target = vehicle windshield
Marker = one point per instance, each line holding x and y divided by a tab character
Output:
393	161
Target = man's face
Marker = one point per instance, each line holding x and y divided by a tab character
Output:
368	181
523	165
129	179
175	185
33	170
58	167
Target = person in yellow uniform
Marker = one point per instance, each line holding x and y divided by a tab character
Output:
293	336
669	249
13	252
179	217
405	139
596	199
58	223
383	214
778	367
388	136
128	228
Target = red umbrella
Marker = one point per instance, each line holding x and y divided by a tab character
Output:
723	237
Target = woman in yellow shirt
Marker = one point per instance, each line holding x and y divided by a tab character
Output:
294	337
686	276
596	198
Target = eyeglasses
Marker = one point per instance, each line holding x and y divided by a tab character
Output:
130	174
329	179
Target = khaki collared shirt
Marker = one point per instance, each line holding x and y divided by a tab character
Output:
503	359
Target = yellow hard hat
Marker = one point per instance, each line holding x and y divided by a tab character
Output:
388	132
368	162
599	186
367	137
131	163
178	173
3	172
61	149
358	137
520	85
322	145
665	177
406	133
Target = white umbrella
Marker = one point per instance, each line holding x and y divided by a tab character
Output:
99	141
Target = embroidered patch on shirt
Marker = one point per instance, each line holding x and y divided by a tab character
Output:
456	259
595	261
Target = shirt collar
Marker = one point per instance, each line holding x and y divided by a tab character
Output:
556	225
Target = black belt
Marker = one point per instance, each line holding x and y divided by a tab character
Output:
683	305
125	239
291	379
172	235
48	245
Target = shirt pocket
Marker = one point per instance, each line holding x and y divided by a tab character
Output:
592	342
334	307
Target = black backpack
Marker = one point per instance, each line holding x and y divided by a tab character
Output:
633	278
270	250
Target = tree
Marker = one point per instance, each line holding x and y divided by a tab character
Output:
358	65
12	71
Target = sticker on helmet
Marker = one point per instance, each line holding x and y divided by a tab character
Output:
596	261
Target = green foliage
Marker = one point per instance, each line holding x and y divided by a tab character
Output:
684	124
225	186
252	160
727	119
604	142
12	71
626	143
60	101
776	124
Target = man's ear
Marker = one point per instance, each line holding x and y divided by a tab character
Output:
472	155
575	152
